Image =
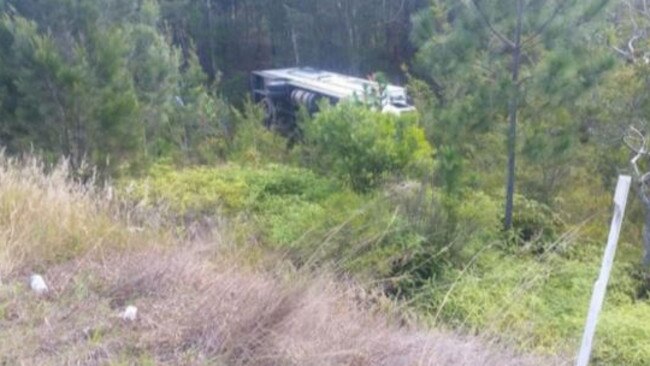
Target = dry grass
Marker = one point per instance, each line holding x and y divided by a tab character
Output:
196	304
47	217
195	309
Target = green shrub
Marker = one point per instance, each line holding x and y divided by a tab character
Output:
310	219
230	188
540	303
621	333
205	135
451	231
252	142
535	225
362	147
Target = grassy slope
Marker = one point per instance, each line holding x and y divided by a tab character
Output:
538	302
197	303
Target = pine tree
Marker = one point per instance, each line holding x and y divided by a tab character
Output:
97	81
494	63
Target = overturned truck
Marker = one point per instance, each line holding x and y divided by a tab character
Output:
281	92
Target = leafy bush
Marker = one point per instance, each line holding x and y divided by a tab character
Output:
534	223
451	231
252	142
362	147
231	188
310	219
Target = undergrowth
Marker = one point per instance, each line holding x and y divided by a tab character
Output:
458	270
314	220
198	301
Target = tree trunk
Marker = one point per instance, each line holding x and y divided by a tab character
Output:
294	34
210	66
294	41
513	107
646	237
645	201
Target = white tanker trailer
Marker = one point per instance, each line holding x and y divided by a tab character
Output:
282	91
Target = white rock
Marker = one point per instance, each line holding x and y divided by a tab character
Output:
130	313
37	283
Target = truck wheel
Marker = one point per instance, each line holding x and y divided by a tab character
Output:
270	112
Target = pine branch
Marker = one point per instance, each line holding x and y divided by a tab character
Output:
485	19
546	23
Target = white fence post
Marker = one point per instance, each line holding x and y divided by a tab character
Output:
598	295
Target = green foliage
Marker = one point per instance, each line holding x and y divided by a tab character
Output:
79	104
363	147
253	143
540	304
99	81
233	38
619	334
404	232
136	87
470	70
534	223
451	231
230	187
311	219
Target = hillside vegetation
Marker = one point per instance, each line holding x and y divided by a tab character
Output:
198	300
469	231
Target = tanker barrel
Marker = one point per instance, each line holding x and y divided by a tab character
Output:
303	97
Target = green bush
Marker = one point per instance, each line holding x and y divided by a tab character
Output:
253	143
451	229
535	224
362	147
228	188
310	219
540	305
621	333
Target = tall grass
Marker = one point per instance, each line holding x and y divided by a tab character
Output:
196	304
48	217
195	311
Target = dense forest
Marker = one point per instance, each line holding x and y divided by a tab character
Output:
140	58
484	211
